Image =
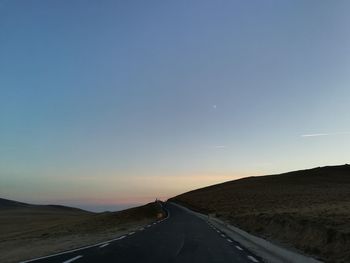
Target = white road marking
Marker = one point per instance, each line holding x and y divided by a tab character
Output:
74	250
141	229
253	259
86	247
149	225
154	223
222	235
229	240
72	259
239	248
131	233
104	245
218	231
168	212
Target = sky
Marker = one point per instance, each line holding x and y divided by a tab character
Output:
110	104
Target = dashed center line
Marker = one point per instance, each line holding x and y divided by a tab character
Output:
253	259
222	235
141	229
104	245
131	233
229	240
72	259
239	248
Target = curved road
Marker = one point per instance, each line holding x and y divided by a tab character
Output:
182	237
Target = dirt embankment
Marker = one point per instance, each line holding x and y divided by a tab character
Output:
308	210
33	231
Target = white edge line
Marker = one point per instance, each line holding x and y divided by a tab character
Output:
229	240
74	250
104	245
73	259
85	247
253	259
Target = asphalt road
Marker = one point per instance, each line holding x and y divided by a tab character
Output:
182	237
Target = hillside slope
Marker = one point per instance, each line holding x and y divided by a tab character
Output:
308	209
10	205
28	231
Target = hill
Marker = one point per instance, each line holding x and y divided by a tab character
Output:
307	209
10	205
29	231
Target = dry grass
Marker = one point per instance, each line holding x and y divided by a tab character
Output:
309	209
29	232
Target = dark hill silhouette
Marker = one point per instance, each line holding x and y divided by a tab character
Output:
6	204
9	204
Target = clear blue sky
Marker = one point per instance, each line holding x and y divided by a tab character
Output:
114	103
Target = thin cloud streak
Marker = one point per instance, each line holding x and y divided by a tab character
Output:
315	135
323	134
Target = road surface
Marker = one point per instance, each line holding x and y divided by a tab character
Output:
182	237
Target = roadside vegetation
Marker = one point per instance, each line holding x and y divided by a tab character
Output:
308	210
30	231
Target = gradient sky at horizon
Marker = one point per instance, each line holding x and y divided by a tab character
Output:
115	103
